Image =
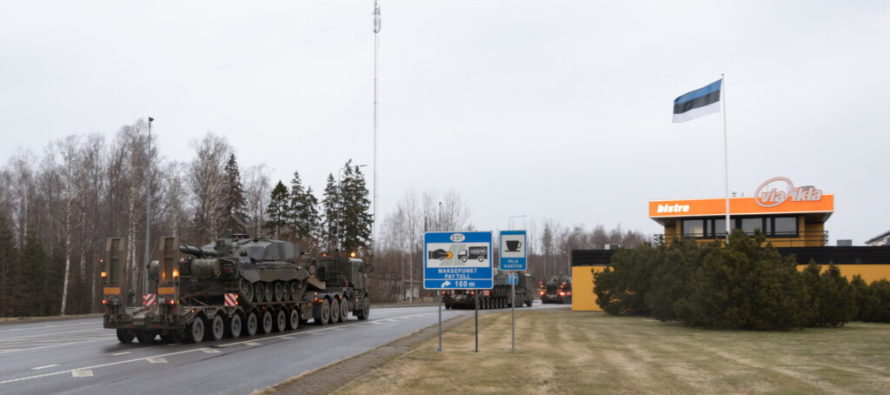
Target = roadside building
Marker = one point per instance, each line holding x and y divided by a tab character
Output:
791	218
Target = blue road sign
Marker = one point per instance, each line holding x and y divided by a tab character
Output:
513	250
513	279
457	260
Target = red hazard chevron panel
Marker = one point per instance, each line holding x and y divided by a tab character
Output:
231	300
149	299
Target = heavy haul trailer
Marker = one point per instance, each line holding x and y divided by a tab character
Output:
496	298
235	287
557	290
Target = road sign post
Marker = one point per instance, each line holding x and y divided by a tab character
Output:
457	260
513	257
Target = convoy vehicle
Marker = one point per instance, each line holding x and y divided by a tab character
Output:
496	298
557	290
234	287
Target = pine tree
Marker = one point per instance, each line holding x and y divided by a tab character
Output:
277	210
8	267
296	206
356	220
35	276
309	218
233	215
330	231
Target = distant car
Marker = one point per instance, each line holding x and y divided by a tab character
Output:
440	254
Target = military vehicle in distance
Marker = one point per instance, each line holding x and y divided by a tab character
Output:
496	298
234	287
557	290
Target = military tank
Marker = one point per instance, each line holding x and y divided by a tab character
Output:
496	298
231	288
557	290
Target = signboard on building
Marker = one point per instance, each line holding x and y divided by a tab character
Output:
457	260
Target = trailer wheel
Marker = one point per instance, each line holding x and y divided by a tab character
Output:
196	330
281	321
259	292
335	311
344	310
267	322
278	290
528	303
321	312
246	289
125	336
216	328
294	322
251	324
233	330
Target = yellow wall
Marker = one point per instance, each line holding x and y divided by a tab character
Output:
583	298
869	273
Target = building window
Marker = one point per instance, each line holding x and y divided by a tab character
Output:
718	227
749	225
784	226
694	228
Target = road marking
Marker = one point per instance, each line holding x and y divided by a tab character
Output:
374	322
71	371
288	337
210	350
81	373
156	360
121	353
44	367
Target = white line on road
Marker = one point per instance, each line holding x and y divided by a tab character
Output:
82	373
89	368
210	350
121	353
44	367
156	360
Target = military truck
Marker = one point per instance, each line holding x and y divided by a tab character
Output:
557	290
496	298
234	287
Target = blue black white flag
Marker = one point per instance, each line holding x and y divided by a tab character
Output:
698	103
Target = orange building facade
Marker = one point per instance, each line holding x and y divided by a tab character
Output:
788	216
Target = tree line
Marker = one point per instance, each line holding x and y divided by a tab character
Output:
58	207
400	243
744	285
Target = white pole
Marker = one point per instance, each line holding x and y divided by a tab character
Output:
725	151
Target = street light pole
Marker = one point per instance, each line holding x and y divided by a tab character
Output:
146	176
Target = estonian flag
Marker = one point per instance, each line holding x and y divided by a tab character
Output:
698	103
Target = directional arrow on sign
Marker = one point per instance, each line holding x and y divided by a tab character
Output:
446	284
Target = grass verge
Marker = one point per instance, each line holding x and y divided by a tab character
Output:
559	351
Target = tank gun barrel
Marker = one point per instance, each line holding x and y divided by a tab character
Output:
196	251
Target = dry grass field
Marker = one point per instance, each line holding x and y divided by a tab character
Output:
560	351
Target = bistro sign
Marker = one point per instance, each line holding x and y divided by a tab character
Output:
777	190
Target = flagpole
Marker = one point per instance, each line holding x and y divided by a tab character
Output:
725	151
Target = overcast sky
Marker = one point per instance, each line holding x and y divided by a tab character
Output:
550	109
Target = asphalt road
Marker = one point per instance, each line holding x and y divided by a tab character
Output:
79	356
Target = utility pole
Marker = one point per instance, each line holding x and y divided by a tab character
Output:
147	176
